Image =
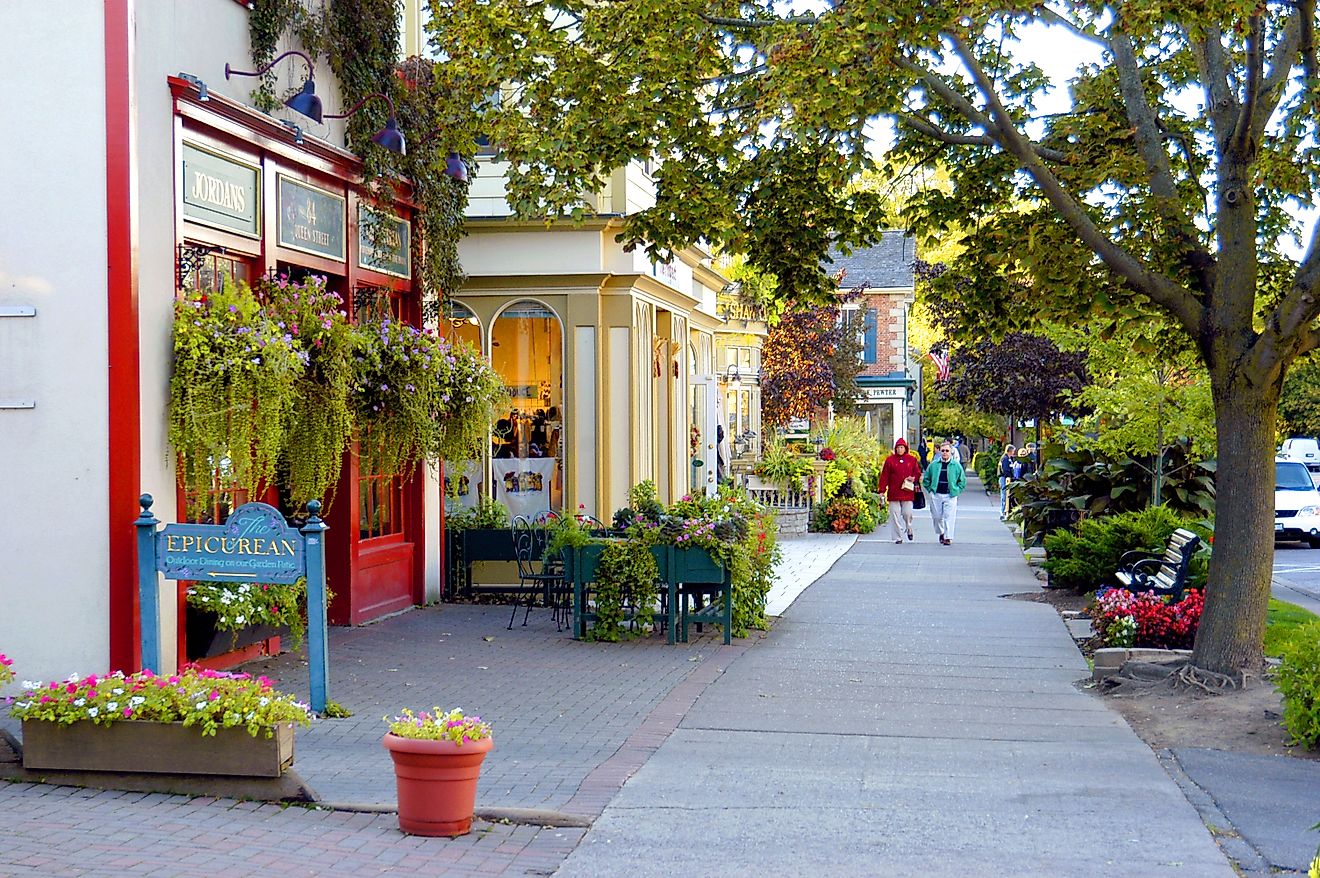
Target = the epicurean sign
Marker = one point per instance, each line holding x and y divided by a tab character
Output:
253	545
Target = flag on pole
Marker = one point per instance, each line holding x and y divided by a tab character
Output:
941	361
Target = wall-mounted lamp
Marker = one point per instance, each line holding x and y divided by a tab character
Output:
202	94
732	373
305	101
455	167
389	137
297	131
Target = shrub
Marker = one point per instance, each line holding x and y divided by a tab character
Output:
1073	480
1087	558
845	515
1298	678
1124	619
488	513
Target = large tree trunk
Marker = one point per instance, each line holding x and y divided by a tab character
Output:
1233	624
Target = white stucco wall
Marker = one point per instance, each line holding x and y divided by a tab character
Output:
53	548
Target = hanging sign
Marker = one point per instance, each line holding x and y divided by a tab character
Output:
383	243
311	219
253	545
220	191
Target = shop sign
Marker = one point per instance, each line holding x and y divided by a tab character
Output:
221	192
311	219
253	545
390	252
886	393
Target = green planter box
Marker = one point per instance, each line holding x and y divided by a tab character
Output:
692	565
155	748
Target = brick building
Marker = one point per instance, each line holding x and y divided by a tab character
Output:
889	383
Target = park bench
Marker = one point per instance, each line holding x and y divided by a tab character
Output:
1162	574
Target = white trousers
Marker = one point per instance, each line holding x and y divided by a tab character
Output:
900	519
944	512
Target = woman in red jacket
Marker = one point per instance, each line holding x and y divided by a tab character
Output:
900	479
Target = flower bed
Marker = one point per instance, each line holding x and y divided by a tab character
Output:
1124	619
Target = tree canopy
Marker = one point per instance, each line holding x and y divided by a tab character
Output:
1160	190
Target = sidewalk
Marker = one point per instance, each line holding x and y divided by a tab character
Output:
899	719
903	719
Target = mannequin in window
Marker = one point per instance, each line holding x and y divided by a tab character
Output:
500	445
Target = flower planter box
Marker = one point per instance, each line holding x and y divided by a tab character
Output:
693	565
155	748
203	640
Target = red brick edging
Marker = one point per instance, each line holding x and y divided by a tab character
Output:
606	779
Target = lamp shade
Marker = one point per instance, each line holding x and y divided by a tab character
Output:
390	137
306	102
456	168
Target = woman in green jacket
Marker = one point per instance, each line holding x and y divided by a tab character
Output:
944	480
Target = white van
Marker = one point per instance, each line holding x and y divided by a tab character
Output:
1301	450
1296	504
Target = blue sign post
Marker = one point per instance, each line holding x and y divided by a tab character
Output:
253	545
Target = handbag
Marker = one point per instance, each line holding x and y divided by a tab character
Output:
919	500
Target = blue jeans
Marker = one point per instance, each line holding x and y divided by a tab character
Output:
1003	496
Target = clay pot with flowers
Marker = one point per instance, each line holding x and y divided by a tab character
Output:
437	760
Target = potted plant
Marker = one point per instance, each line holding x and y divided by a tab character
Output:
437	759
193	722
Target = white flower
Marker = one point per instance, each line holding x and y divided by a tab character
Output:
117	691
93	711
113	705
201	705
263	701
79	702
241	619
72	678
136	700
32	684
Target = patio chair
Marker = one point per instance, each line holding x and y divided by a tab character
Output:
536	577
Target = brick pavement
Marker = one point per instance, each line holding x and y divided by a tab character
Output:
573	721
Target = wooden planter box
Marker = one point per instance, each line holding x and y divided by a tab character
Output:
155	748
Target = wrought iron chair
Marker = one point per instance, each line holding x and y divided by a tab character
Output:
536	577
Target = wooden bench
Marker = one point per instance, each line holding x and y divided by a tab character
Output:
1162	574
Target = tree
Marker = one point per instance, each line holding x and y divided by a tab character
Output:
1022	376
809	360
1160	191
1148	399
1299	408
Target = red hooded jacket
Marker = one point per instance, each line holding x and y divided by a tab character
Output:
897	468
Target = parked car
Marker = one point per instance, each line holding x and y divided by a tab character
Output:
1302	450
1296	504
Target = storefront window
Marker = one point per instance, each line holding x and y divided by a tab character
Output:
526	443
460	324
214	270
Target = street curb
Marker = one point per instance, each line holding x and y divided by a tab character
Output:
1246	858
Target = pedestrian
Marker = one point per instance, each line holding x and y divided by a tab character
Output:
1028	464
944	480
960	451
1006	461
923	451
898	483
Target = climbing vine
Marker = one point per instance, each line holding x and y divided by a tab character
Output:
362	42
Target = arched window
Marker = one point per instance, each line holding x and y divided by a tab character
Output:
527	351
460	324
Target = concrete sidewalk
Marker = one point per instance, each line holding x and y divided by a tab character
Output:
904	719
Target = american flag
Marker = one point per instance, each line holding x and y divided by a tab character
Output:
941	361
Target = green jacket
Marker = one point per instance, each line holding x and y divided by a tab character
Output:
957	477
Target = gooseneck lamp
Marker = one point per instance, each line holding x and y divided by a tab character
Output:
305	102
389	137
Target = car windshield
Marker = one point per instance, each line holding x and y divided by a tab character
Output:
1292	477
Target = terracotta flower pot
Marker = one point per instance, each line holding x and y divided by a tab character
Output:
437	783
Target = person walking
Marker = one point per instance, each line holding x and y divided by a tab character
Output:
923	451
898	481
944	480
1005	478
